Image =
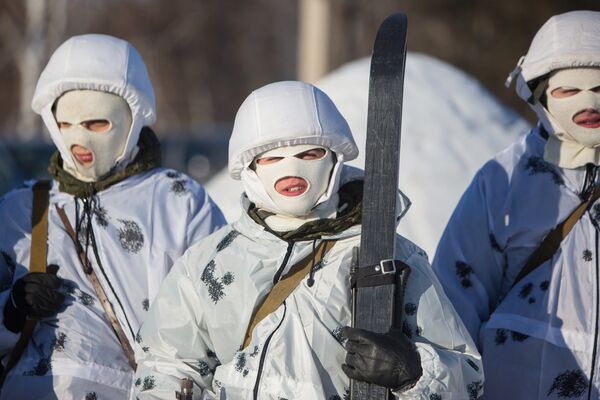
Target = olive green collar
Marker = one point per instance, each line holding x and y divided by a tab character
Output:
148	158
350	195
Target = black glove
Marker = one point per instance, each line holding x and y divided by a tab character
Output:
384	359
33	296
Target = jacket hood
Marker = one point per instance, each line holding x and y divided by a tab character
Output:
284	114
102	63
567	40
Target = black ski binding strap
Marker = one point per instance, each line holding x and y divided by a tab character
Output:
384	273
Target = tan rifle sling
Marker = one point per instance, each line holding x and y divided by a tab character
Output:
37	263
285	287
552	241
100	293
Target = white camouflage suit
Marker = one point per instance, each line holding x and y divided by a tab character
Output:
140	226
538	339
197	323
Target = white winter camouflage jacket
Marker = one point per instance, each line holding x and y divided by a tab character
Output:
197	323
539	339
141	225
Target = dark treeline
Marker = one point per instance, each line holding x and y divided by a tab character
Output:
205	56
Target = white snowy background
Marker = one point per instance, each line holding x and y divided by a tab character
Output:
451	125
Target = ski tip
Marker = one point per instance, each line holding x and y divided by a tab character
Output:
396	18
392	31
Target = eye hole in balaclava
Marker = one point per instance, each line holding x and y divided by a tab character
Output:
94	126
295	177
316	153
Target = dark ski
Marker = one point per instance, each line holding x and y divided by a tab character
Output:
373	306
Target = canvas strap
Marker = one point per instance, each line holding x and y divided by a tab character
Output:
285	287
100	293
37	263
552	241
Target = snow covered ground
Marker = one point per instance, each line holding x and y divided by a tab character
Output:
450	126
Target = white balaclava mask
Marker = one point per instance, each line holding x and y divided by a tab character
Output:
574	103
94	127
295	178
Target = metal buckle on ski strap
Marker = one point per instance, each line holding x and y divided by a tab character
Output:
387	266
380	274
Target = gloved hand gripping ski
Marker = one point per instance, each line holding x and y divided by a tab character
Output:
384	359
34	296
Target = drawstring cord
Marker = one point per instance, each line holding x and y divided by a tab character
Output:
589	180
89	205
311	275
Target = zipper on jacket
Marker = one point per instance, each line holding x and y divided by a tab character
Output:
264	354
286	258
594	353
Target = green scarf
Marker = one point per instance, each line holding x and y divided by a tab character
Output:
350	194
147	158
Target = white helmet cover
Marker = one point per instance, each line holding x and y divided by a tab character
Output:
102	63
569	40
285	114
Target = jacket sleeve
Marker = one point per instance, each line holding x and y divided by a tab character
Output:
469	262
452	367
173	343
15	233
7	338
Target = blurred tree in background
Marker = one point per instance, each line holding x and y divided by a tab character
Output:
205	56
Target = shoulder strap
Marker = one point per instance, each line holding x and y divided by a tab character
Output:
552	241
285	287
100	293
39	227
37	263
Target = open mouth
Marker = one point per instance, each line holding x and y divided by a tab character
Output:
82	155
588	118
291	186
